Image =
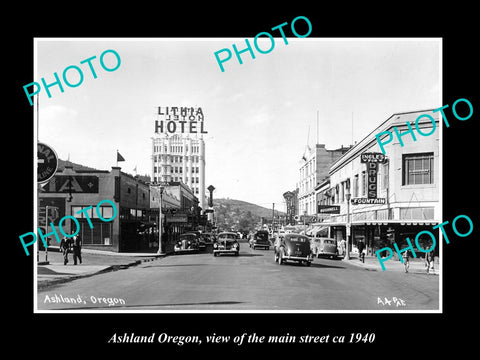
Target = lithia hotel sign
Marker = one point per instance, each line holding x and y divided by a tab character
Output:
179	120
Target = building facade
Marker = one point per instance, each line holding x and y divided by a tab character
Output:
177	158
314	168
407	186
72	191
180	211
76	192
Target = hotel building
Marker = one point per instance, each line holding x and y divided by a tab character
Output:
177	158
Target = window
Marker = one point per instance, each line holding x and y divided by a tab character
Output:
101	232
107	212
384	176
420	213
355	185
364	183
417	169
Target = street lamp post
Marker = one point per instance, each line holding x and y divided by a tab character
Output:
160	249
210	205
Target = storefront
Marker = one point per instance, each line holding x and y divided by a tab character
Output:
379	234
384	199
76	191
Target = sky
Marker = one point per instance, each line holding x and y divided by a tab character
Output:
259	115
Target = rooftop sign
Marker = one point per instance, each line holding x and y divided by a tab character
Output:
179	120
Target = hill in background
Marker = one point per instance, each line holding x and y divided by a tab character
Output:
230	213
240	215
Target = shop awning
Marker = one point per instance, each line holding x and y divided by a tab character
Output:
312	230
383	222
315	229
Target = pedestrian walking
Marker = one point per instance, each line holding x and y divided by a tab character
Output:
360	247
342	246
65	248
406	263
430	259
77	249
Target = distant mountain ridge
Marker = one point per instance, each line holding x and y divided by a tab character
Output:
240	215
245	206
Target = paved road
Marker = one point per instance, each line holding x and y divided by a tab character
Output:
251	281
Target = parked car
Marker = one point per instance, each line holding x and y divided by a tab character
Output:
324	246
187	242
293	247
260	240
207	238
201	243
226	243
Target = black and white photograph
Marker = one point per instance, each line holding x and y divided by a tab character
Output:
288	184
269	201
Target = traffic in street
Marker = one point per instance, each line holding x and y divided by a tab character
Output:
253	280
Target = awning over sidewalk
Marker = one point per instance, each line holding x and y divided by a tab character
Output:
382	222
315	229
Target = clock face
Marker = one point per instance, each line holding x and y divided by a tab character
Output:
47	162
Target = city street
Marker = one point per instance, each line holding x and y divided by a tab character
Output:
251	281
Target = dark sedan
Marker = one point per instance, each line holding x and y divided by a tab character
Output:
293	247
260	240
226	243
187	242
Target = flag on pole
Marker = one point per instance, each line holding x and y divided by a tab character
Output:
119	157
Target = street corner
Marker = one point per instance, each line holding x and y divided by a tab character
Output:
52	274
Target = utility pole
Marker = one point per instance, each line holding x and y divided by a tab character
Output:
273	217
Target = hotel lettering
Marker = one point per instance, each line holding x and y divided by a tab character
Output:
179	120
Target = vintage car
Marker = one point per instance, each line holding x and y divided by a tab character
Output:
260	240
325	247
293	247
226	243
208	238
187	242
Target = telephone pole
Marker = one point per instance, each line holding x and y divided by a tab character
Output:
273	217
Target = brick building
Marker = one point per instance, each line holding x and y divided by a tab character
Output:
314	167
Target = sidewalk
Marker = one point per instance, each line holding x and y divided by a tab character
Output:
417	265
54	271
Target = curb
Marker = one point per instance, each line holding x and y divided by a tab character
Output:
378	268
44	283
